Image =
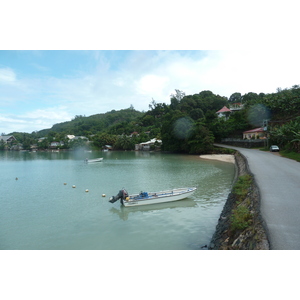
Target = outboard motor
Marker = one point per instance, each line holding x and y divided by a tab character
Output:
121	195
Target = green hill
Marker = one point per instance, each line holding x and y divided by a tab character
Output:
107	122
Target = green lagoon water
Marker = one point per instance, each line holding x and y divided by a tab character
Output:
38	211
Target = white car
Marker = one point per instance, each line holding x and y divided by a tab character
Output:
274	148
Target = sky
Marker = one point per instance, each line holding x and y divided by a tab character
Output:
40	88
59	59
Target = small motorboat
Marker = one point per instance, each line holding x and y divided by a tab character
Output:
93	160
144	198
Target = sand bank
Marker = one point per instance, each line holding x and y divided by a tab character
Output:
220	157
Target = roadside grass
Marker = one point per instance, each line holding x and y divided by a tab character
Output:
242	186
290	154
241	217
286	153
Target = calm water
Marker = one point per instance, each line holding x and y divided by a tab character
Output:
38	211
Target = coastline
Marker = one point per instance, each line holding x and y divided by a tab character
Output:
220	157
254	237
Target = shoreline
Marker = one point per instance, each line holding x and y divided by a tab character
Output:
220	157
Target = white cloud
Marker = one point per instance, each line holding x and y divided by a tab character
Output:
7	75
34	120
40	102
151	84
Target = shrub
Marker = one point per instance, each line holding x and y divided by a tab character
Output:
242	186
241	218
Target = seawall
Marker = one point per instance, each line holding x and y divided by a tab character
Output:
254	237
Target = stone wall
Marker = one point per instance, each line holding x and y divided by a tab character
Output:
254	237
245	143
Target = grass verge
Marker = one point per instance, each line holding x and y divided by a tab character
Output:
241	217
290	154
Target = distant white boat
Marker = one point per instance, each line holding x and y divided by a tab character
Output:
93	160
145	198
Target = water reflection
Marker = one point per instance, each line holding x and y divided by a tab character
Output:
123	212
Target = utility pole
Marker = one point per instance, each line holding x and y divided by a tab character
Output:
265	126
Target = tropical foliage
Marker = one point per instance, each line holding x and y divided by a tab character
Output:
189	124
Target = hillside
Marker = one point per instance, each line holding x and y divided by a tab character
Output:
189	124
82	125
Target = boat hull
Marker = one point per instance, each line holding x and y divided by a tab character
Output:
88	161
159	197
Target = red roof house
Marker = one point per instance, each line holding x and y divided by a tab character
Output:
254	133
223	112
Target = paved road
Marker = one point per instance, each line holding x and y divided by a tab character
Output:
278	179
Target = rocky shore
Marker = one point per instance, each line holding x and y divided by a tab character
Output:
254	236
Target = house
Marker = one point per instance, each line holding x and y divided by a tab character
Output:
55	144
41	139
70	136
146	146
7	138
223	112
257	133
107	148
236	106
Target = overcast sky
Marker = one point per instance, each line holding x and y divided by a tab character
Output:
39	88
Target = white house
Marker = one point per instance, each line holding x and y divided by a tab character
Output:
147	145
223	112
7	138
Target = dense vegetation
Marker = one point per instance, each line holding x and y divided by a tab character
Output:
189	124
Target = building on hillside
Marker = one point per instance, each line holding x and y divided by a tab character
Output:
70	136
224	112
257	133
55	144
236	106
107	148
7	138
146	146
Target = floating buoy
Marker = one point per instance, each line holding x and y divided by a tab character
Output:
17	178
86	190
65	183
73	186
103	195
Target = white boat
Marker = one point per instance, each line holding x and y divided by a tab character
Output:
93	160
145	198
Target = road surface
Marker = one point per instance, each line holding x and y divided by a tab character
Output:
278	179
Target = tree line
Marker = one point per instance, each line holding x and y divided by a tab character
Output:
189	124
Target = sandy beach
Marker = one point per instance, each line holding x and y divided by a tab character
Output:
221	157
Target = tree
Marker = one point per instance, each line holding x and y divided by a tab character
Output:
102	139
124	143
235	98
2	145
178	95
202	140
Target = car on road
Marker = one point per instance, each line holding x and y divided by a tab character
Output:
274	148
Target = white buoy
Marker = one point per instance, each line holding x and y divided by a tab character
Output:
103	195
73	186
86	190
